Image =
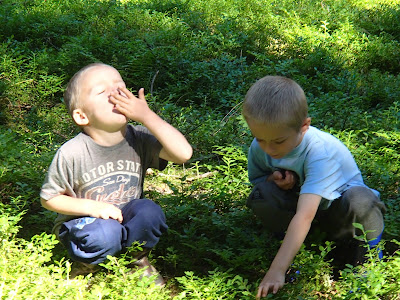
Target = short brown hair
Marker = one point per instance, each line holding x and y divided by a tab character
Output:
72	92
276	101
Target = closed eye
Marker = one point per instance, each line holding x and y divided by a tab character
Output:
101	92
279	142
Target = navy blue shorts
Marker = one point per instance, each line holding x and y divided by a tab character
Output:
90	240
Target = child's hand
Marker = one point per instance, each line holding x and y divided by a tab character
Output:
106	211
132	107
286	182
272	281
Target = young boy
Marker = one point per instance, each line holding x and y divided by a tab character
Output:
95	182
301	173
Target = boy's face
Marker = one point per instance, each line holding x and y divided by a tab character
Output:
277	142
96	86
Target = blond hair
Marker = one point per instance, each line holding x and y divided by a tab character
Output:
72	92
276	101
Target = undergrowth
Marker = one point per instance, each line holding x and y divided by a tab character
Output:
196	59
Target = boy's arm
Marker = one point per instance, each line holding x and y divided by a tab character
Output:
67	205
175	146
297	231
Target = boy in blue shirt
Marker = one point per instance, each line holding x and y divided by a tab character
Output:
301	174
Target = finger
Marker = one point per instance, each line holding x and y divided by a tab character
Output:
289	177
120	218
121	107
118	92
123	96
141	94
275	289
117	214
263	290
277	175
122	93
118	99
258	296
125	93
292	180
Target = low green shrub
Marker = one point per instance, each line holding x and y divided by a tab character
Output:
217	285
196	59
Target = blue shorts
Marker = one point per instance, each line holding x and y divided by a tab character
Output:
90	240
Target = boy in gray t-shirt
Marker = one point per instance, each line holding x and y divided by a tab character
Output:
302	174
95	181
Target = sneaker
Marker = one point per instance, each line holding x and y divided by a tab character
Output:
83	269
143	263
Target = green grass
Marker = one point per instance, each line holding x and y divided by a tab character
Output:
196	59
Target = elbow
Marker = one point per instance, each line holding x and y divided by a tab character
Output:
50	204
186	155
179	155
44	203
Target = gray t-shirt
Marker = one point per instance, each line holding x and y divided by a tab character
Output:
324	166
82	168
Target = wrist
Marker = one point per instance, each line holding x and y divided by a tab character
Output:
90	207
277	269
149	119
278	266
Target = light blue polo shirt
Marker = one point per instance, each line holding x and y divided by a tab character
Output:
324	165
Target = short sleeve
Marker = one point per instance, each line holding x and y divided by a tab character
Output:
323	175
59	178
150	148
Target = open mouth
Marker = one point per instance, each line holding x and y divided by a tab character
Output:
115	110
